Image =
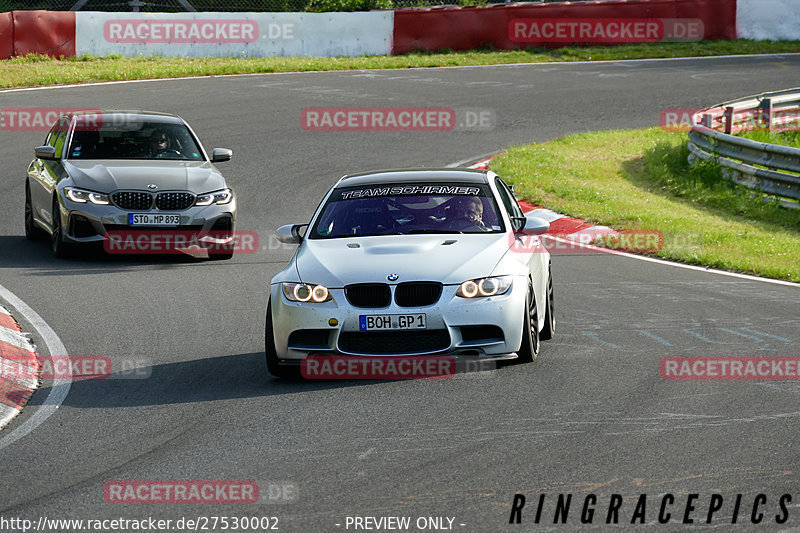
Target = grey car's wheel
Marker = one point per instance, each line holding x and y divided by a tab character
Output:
273	365
60	248
32	231
529	348
550	315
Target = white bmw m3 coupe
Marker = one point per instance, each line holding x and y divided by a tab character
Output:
412	263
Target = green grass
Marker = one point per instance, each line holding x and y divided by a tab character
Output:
38	70
789	138
640	179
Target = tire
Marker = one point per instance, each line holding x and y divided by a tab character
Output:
273	366
529	348
32	231
58	246
550	315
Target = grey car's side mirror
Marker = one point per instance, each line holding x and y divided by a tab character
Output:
218	155
45	152
290	233
535	226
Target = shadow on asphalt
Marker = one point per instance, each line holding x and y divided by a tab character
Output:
18	252
201	380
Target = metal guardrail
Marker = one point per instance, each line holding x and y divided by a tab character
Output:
767	168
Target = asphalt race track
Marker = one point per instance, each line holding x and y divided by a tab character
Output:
591	415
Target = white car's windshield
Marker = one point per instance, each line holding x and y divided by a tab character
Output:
408	208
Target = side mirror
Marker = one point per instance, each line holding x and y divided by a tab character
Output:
45	152
290	233
535	226
219	155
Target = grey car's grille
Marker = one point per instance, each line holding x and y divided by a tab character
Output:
143	201
394	342
368	294
174	201
417	293
139	201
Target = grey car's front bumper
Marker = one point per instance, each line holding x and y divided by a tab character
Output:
87	222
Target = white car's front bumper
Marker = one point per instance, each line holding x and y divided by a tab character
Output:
489	327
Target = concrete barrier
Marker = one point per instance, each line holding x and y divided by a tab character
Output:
604	22
235	34
768	19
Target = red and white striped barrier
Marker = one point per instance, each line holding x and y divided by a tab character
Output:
511	26
19	368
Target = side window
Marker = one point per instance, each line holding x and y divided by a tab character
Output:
51	137
511	205
61	136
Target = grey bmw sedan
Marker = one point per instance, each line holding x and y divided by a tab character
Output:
102	175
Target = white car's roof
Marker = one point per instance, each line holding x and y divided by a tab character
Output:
434	175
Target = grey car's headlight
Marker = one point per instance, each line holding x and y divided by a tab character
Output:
219	197
304	292
81	196
482	287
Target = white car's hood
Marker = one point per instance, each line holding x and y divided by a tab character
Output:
110	175
450	259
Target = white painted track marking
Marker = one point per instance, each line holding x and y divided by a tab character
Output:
60	387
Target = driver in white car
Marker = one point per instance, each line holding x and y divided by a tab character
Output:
470	210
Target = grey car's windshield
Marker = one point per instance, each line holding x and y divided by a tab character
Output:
133	139
407	209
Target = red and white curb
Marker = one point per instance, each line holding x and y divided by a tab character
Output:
19	368
561	226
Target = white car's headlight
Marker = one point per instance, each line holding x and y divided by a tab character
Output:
81	196
482	287
219	197
304	292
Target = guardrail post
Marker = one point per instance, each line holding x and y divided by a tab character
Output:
706	120
728	116
765	114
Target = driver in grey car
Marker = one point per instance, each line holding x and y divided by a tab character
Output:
159	142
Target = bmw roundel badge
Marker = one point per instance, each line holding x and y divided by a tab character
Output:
393	277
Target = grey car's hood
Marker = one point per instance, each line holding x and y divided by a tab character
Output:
336	263
110	175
